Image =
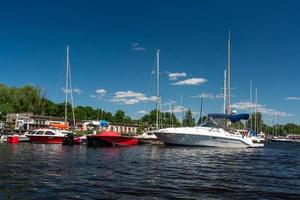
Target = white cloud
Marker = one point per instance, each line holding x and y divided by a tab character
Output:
174	76
75	90
136	47
142	112
209	96
177	109
130	97
99	93
293	98
191	81
260	108
171	102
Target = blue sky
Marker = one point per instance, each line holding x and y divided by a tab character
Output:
113	46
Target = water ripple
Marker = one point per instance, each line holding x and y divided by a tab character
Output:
37	171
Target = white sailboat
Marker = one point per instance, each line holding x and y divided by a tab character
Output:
214	132
148	137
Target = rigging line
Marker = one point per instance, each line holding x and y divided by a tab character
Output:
150	83
71	90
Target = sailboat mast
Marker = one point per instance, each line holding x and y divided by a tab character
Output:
256	125
251	105
181	110
228	77
224	106
157	89
66	87
201	110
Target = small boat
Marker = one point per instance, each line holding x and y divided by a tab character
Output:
257	139
110	138
46	136
280	139
148	137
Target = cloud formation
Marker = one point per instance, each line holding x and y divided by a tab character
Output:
136	47
293	98
129	97
174	76
177	109
99	93
209	96
142	112
191	81
76	90
260	108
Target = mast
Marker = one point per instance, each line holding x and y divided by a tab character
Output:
224	96
181	110
172	123
66	86
228	76
256	125
157	89
250	105
201	110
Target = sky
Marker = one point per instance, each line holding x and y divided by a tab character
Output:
113	46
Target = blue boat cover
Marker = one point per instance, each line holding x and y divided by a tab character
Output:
232	117
103	123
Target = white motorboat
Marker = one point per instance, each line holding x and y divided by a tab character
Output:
148	137
214	132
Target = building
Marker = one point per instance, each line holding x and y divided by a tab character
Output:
121	128
29	121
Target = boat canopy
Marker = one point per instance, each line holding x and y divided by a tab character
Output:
232	117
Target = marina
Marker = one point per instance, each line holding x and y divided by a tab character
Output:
131	99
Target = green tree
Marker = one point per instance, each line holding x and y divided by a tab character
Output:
188	119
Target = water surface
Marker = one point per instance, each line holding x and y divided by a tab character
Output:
40	171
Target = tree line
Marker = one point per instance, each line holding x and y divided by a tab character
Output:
29	98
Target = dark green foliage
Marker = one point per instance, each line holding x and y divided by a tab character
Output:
188	119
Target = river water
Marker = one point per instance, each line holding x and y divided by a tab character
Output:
39	171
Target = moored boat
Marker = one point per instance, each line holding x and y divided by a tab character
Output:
148	137
213	133
110	138
46	136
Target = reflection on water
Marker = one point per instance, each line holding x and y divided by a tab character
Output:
37	171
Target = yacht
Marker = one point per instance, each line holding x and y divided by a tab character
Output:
214	132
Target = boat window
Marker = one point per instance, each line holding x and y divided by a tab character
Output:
33	133
39	132
149	134
49	133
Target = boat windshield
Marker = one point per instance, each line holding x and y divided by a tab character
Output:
214	122
39	133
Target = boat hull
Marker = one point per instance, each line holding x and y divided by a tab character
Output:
46	139
185	139
111	141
